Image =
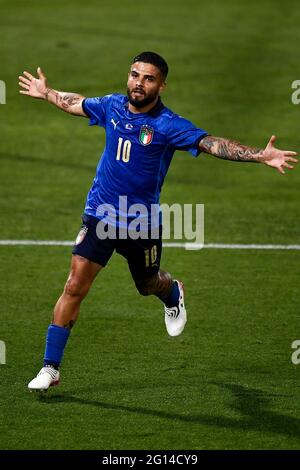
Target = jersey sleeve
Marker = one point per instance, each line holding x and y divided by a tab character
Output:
95	109
184	135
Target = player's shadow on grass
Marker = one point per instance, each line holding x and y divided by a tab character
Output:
47	161
251	403
254	405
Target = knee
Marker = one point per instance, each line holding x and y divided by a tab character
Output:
75	288
147	286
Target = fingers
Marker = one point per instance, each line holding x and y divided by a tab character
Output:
286	165
287	152
271	141
24	80
24	85
40	73
28	75
289	159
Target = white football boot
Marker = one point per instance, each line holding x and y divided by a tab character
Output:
47	377
175	317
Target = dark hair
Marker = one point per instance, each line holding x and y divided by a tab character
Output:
154	59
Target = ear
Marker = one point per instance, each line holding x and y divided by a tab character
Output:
162	87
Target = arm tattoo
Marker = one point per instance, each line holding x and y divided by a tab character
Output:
230	149
64	101
69	99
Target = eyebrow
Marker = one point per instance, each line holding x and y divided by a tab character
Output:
146	76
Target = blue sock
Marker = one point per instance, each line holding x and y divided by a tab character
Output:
57	337
173	299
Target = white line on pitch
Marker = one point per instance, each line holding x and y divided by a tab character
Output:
190	246
37	242
236	246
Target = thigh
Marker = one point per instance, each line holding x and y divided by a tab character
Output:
89	246
143	256
82	272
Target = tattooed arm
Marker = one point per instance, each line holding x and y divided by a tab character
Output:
68	102
231	150
38	88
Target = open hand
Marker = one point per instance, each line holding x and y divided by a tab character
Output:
35	87
276	158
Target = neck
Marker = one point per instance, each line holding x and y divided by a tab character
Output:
144	109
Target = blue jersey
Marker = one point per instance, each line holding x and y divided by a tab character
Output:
139	149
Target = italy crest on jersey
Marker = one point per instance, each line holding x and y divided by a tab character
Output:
146	134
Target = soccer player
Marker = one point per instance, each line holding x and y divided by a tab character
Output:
141	138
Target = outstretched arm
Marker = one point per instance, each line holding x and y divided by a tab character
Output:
38	88
231	150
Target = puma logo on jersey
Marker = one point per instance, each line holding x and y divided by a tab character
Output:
114	123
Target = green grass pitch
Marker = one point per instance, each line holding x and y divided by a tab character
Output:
228	382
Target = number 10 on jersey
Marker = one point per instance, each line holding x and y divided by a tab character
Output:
123	152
